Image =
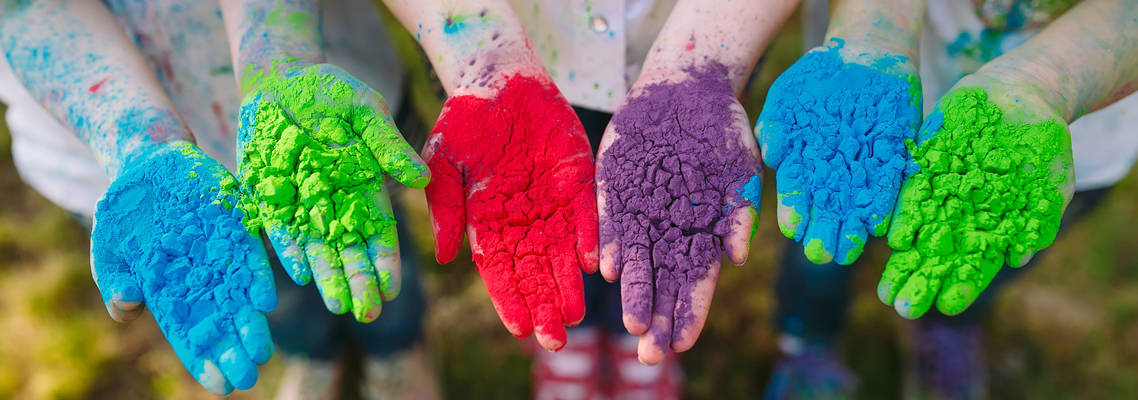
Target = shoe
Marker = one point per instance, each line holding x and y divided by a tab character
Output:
633	380
572	373
404	375
947	361
809	371
307	379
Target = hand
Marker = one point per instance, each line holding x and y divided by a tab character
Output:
314	144
167	233
834	127
995	173
513	168
678	179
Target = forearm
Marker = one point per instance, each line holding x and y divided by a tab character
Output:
733	34
271	35
467	41
1085	60
79	64
889	25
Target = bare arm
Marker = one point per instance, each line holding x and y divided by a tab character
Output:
734	34
79	64
271	34
1085	60
468	42
889	25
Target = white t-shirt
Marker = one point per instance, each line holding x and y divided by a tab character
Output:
189	53
593	49
959	38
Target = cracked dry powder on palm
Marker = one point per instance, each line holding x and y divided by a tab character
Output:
673	178
318	173
987	192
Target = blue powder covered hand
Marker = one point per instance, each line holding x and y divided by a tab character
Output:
834	126
167	233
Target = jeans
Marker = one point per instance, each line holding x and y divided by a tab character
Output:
301	325
813	298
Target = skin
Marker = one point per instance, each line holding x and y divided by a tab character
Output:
273	40
475	48
872	33
101	88
733	34
1085	60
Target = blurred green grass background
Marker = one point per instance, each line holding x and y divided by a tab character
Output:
1069	329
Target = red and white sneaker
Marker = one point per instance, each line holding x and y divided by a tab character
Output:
632	380
572	373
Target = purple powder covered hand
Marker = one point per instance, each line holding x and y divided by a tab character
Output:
678	179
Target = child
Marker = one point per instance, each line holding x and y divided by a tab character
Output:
1050	79
173	60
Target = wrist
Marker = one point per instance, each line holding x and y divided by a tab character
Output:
1023	81
486	72
255	76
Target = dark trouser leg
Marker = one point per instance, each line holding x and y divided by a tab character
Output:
301	325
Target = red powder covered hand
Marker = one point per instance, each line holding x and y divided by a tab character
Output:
513	168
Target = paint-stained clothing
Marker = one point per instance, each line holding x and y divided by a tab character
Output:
185	43
959	37
593	49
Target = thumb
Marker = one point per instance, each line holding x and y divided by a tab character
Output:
397	158
117	285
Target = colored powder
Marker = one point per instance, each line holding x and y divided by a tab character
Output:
673	178
835	132
987	192
167	232
518	169
317	172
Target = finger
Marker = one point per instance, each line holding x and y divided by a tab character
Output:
235	365
767	132
821	236
366	301
394	154
289	252
263	290
793	212
383	250
569	286
609	230
916	297
737	244
329	275
253	330
898	269
960	290
125	311
851	241
121	295
502	284
538	288
585	217
446	201
692	307
636	287
388	266
654	343
209	376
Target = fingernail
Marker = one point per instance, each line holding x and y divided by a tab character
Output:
127	305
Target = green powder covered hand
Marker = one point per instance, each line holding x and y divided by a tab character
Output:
314	144
995	173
